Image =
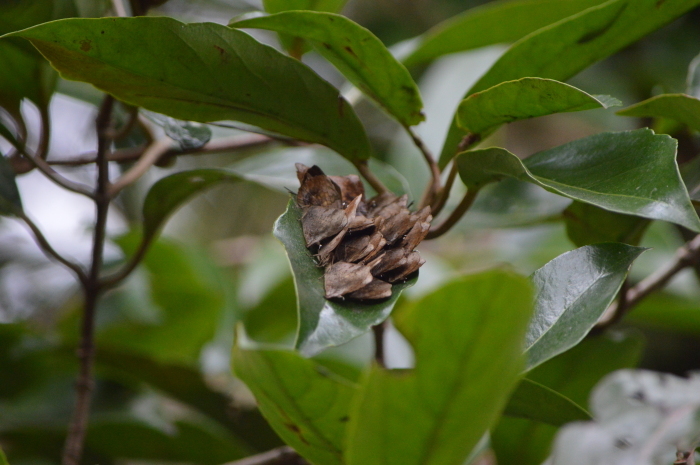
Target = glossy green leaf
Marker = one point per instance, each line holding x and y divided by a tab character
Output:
274	319
357	53
483	112
573	374
690	172
10	201
201	72
563	49
277	6
587	224
467	337
679	107
572	292
492	23
186	385
324	323
536	401
169	193
304	402
632	172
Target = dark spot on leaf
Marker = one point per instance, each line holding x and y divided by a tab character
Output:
592	35
409	90
85	45
102	32
345	419
350	51
295	429
328	46
221	50
247	94
331	19
659	3
341	106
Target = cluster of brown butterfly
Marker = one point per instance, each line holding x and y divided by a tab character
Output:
364	245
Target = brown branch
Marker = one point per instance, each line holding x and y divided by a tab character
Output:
378	332
434	188
149	158
373	180
455	216
444	193
75	439
686	256
42	150
224	144
57	178
284	455
49	250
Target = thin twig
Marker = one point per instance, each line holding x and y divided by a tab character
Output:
434	187
455	216
378	332
57	178
110	281
152	154
444	193
224	144
42	150
284	455
75	440
49	250
686	256
373	181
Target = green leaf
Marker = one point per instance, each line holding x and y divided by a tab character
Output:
169	193
186	385
693	80
185	304
572	374
587	224
666	311
274	320
357	53
467	337
3	458
201	72
535	401
277	6
679	107
493	23
483	112
563	49
305	403
10	201
324	323
573	291
632	172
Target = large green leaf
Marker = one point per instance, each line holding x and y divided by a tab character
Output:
493	23
277	6
357	53
324	323
632	172
482	112
666	311
467	337
563	49
10	201
573	374
201	72
169	193
3	459
680	107
573	290
304	402
535	401
186	385
587	224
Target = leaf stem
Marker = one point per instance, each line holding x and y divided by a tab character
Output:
75	440
110	281
434	188
686	256
455	216
49	250
373	181
444	193
41	164
378	332
149	158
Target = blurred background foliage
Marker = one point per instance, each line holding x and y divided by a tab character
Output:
165	390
